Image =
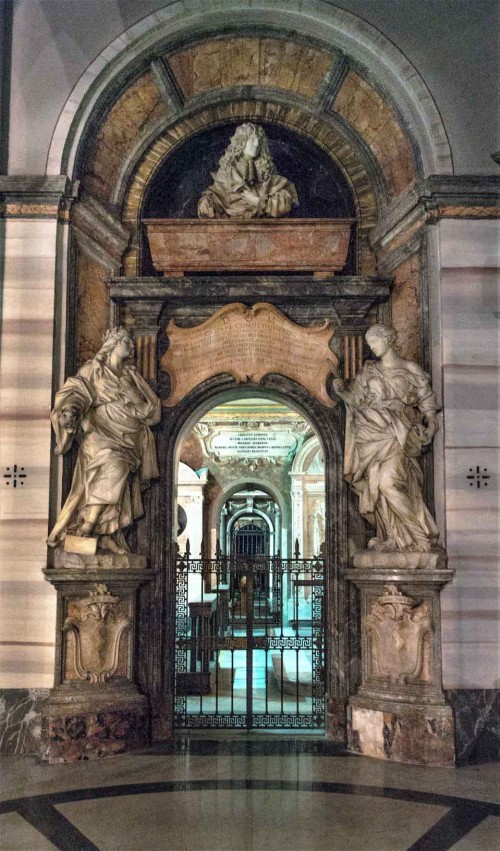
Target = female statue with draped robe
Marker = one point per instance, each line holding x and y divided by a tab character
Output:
109	408
391	416
246	184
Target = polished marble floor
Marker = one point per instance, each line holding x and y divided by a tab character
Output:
255	793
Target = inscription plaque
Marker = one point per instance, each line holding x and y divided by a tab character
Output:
249	343
253	444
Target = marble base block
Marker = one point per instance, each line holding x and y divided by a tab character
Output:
95	708
400	712
434	559
60	559
401	733
78	725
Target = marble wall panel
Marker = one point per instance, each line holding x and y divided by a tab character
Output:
472	533
469	325
27	665
462	478
248	61
470	302
92	306
470	605
373	118
470	397
27	606
406	307
21	720
140	105
477	725
466	244
470	666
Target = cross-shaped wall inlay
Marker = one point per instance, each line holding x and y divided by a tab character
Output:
14	476
478	476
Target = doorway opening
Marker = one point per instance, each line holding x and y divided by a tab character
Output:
250	572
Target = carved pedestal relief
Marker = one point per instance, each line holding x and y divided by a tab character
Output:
397	631
96	625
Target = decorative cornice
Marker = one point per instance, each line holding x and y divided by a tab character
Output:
346	299
437	197
36	197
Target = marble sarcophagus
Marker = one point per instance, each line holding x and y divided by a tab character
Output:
259	245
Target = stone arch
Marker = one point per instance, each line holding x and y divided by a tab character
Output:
242	513
304	455
327	23
361	172
240	483
178	422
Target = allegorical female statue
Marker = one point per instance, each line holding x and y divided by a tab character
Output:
391	415
246	184
108	407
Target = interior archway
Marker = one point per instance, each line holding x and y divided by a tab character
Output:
258	597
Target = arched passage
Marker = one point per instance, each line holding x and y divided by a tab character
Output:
268	608
158	603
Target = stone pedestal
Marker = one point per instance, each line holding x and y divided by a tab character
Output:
399	712
95	708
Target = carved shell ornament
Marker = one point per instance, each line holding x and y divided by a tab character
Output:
97	632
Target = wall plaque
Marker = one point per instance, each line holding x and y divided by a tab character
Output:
249	343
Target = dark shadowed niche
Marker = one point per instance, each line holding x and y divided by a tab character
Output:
179	181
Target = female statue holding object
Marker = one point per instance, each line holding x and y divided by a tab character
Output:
108	407
391	415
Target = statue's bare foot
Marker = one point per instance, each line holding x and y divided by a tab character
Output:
85	529
423	546
107	543
387	546
53	541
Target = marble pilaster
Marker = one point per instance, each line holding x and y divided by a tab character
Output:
34	218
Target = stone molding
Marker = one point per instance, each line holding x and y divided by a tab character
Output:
347	299
436	197
167	83
36	197
99	234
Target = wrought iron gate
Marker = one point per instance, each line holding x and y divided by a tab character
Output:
250	643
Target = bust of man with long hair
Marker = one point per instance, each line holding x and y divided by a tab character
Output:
246	184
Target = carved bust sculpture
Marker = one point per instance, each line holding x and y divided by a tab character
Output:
108	407
246	184
391	415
